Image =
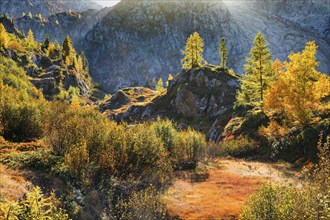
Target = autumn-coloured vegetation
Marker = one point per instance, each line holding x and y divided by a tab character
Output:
281	109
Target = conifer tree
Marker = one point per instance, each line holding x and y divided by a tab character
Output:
170	78
68	52
4	37
154	82
85	62
193	52
147	83
295	95
46	43
223	52
258	74
30	15
30	38
79	65
159	86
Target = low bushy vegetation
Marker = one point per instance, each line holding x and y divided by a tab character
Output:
311	201
35	205
145	204
238	147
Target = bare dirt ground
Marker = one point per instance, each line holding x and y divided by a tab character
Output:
222	196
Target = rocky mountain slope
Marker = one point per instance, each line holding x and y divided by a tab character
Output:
202	98
15	8
139	38
57	26
143	38
48	73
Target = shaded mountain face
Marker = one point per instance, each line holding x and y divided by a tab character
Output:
15	8
57	26
139	38
145	38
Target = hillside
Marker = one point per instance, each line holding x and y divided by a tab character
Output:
16	8
135	39
202	98
42	63
183	134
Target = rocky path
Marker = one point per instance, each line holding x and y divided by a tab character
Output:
231	182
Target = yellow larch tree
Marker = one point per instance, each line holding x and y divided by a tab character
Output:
193	52
295	95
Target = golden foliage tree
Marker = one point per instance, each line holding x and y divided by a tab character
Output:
193	52
4	37
30	37
296	95
68	52
258	74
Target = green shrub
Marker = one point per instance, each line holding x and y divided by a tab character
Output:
311	201
241	146
146	204
34	206
21	106
165	129
146	156
190	146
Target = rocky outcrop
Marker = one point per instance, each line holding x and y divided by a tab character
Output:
15	8
202	98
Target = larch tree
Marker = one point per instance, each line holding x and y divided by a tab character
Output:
147	82
295	96
193	52
80	65
46	43
159	86
258	74
30	38
4	37
223	52
68	52
85	62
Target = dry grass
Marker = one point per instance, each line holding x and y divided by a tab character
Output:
12	185
224	194
143	97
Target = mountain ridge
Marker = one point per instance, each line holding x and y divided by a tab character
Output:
135	39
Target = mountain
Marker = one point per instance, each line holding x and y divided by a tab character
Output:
57	26
139	38
15	8
145	38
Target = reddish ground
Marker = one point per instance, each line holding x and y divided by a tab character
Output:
224	193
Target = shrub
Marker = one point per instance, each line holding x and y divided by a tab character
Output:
165	129
310	202
146	156
238	147
34	206
22	116
190	146
146	204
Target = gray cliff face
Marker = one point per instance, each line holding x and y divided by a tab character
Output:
57	26
15	8
145	38
139	38
311	15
